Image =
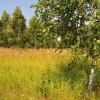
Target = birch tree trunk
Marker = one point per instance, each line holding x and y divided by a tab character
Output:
92	75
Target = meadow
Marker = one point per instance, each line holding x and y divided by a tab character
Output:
45	74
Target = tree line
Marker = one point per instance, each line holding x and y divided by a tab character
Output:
71	24
16	33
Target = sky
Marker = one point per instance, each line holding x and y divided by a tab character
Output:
10	5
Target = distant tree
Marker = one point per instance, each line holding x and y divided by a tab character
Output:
26	39
35	28
0	26
18	24
5	18
11	38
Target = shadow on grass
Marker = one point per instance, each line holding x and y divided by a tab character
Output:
76	73
77	70
97	82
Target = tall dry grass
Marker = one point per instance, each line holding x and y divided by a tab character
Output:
32	74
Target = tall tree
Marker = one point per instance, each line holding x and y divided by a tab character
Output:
5	18
72	17
35	28
0	26
18	24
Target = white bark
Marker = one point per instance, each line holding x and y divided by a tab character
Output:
92	75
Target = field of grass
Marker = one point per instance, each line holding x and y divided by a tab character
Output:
45	75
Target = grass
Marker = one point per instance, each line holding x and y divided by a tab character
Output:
44	74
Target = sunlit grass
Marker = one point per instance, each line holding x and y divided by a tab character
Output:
33	74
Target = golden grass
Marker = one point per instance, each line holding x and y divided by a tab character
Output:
21	70
25	73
